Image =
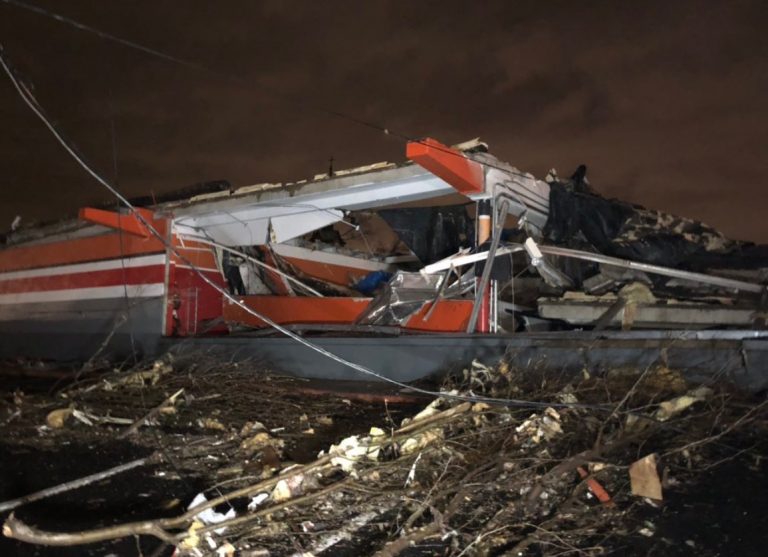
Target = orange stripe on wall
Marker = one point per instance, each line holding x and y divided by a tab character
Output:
287	310
80	250
202	259
449	316
335	274
197	253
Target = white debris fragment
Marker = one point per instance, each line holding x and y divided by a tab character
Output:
81	416
352	449
538	426
566	395
210	516
226	550
257	500
412	471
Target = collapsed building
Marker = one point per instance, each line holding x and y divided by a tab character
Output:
388	264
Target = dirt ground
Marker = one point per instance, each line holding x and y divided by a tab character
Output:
458	477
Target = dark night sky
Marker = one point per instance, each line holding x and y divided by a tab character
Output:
664	101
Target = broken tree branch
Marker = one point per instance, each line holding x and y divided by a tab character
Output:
16	529
160	527
738	423
80	482
152	413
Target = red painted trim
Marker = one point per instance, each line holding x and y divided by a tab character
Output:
150	274
192	304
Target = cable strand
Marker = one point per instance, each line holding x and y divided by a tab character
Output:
30	100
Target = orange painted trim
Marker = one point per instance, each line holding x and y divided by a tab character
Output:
595	487
450	316
288	310
190	243
199	254
465	175
81	250
129	224
129	240
202	259
335	274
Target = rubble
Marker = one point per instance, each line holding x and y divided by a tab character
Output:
504	460
443	476
645	479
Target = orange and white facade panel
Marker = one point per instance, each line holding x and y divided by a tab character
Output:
60	296
133	277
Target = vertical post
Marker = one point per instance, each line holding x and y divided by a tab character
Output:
483	235
485	279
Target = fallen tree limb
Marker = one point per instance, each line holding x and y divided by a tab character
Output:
440	416
274	508
159	528
16	529
152	413
76	484
319	463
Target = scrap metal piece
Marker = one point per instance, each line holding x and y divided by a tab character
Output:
551	274
590	311
723	282
405	294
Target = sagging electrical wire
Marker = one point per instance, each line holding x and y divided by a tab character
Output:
184	62
32	103
264	87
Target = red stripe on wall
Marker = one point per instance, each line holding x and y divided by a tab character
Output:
149	274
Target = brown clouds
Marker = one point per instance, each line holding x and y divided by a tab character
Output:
663	101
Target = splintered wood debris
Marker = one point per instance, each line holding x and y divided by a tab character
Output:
272	470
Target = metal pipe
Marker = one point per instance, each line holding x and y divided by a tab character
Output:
655	269
485	225
490	255
701	278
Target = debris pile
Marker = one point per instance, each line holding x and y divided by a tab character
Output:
583	466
